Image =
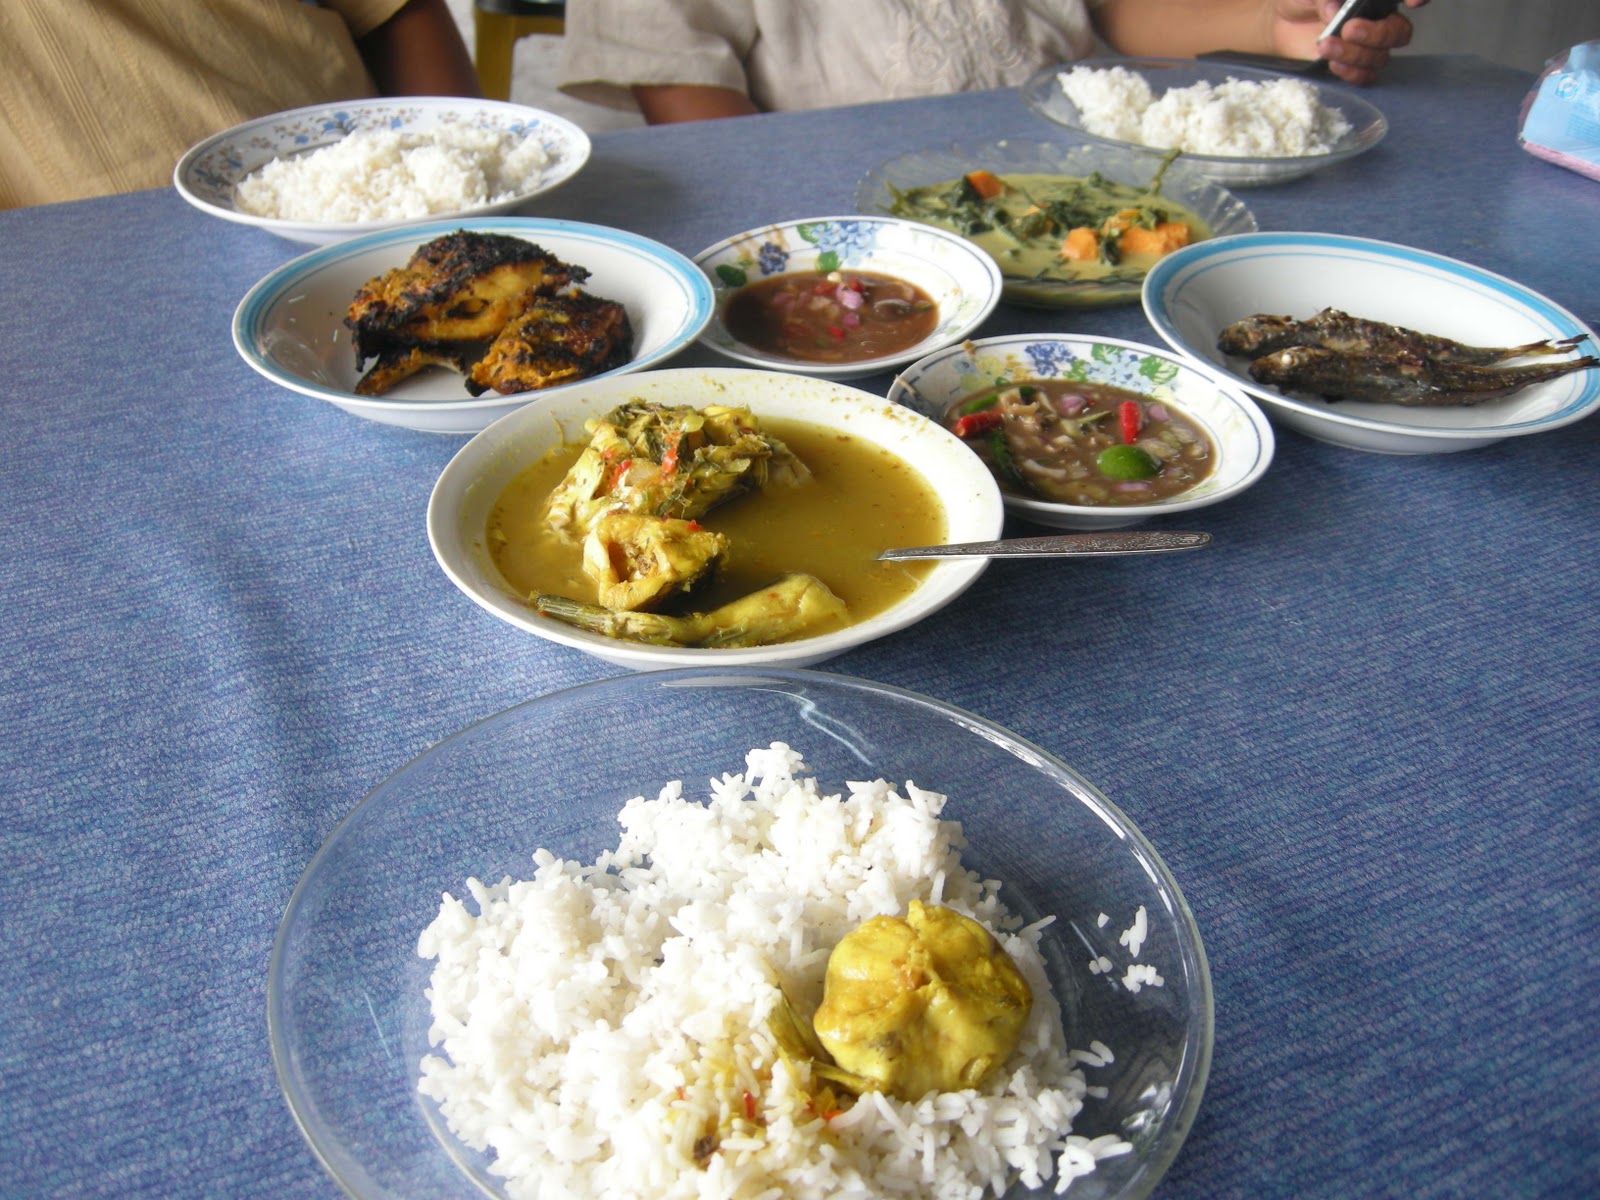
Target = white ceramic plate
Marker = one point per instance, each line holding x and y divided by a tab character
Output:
290	326
458	511
1190	296
1239	431
1220	209
959	277
208	173
1044	95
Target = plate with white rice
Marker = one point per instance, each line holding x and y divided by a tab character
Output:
327	172
542	960
1241	126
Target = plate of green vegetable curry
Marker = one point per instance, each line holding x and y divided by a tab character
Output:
1070	226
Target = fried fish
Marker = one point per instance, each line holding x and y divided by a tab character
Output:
1262	334
1400	377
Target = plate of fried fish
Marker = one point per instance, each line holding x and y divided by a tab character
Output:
447	326
1376	346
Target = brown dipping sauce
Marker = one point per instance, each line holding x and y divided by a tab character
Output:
837	317
1065	441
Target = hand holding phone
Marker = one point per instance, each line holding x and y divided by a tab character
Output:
1366	10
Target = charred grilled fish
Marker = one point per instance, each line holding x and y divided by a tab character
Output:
401	362
1400	377
1262	334
556	339
462	287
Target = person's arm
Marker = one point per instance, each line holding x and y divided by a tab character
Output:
1184	28
666	104
419	52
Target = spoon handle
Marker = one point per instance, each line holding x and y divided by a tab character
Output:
1139	541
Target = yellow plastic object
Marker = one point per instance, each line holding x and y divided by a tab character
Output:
497	26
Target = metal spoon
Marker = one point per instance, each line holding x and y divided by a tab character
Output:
1063	545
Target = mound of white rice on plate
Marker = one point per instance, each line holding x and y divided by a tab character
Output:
1236	118
602	1029
387	175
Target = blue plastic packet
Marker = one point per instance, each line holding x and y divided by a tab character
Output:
1561	117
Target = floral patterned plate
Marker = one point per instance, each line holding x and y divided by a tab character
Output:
961	279
208	175
1238	429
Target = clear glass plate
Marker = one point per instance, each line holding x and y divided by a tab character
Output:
347	1018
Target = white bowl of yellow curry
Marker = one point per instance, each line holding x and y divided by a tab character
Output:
725	515
1069	226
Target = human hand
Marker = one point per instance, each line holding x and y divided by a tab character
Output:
1360	51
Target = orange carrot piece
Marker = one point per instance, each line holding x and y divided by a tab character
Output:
1162	240
986	183
1080	245
1177	233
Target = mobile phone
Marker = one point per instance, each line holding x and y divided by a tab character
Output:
1366	10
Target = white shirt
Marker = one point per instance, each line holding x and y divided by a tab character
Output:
797	54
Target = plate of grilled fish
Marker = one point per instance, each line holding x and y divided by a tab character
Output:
1376	346
447	326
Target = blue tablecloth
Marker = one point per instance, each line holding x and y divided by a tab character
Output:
1361	728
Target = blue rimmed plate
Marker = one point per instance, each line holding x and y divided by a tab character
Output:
208	175
290	326
960	278
1192	294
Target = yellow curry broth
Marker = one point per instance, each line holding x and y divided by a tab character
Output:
859	500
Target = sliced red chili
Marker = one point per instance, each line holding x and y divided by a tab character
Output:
979	422
1132	417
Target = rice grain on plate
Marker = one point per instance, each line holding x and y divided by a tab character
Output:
601	1029
1236	118
386	175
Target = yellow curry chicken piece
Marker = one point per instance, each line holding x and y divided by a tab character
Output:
927	1002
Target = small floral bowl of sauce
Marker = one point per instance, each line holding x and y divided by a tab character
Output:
845	296
1089	432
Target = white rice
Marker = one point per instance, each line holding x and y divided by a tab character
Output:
1242	118
593	1023
383	175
